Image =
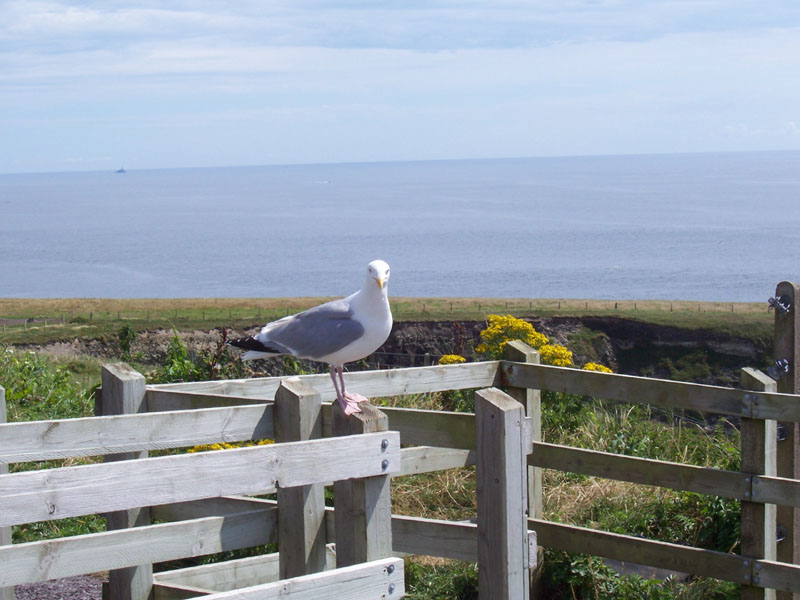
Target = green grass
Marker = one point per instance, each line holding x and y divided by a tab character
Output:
102	318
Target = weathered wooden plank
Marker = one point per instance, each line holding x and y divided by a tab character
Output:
759	439
776	490
658	392
434	537
424	459
233	574
686	559
519	351
161	400
174	591
786	345
376	579
503	571
432	428
71	491
301	510
6	593
783	577
703	480
212	507
123	393
391	382
65	557
363	506
226	575
91	436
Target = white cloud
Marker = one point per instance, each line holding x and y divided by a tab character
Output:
477	78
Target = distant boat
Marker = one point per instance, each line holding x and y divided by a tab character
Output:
120	170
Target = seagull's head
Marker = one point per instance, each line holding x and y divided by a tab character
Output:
378	271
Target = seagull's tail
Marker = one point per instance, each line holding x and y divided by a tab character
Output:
255	348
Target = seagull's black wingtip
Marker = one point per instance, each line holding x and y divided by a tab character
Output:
252	343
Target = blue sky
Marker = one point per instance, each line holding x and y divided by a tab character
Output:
97	85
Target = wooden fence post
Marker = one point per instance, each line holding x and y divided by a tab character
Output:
759	441
502	448
5	532
124	393
519	351
787	347
301	510
362	507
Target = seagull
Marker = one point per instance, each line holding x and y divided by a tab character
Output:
336	332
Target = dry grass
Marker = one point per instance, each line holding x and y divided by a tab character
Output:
51	306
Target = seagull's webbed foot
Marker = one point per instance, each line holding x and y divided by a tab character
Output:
351	402
348	402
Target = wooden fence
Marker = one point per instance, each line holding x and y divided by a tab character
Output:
208	502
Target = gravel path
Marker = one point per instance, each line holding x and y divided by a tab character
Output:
70	588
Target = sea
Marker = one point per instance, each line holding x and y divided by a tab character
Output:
705	227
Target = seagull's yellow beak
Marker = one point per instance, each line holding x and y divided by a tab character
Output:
381	282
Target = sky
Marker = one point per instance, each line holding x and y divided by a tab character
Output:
99	85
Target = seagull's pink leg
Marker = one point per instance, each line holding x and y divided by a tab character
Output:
339	396
351	401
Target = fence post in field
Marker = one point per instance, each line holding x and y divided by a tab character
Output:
759	442
502	448
787	347
124	393
519	351
301	510
5	532
362	507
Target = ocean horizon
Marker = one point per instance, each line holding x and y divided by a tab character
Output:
706	227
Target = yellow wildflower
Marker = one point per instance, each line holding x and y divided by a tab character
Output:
503	329
592	366
230	445
556	355
452	359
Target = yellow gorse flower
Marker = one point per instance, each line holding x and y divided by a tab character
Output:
230	446
503	329
452	359
556	355
592	366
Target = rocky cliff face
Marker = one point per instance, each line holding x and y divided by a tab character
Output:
627	346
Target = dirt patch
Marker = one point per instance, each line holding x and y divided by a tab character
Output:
83	587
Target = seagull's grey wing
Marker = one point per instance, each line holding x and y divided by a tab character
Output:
319	331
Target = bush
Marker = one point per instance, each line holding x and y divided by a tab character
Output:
182	365
38	390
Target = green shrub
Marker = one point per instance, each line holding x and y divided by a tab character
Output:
38	390
182	365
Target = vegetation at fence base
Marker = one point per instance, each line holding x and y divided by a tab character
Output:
441	580
578	576
36	388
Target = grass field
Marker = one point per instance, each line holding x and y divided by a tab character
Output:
28	320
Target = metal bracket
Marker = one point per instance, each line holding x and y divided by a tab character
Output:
781	368
781	304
